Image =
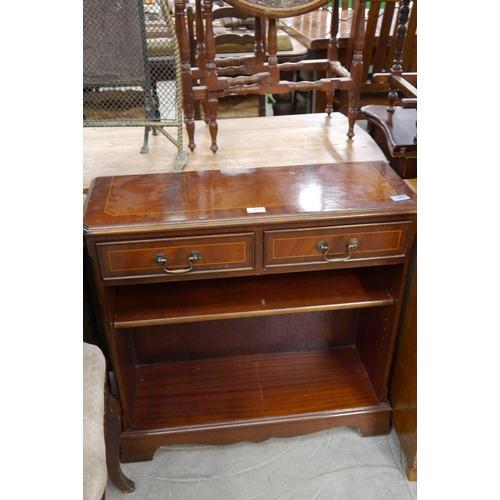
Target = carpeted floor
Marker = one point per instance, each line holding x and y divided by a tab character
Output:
329	465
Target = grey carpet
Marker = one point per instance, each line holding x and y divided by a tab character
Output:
328	465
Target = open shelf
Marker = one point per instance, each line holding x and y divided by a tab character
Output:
221	392
189	301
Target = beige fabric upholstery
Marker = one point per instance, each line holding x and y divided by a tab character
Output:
160	47
94	449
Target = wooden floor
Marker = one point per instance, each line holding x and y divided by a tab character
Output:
243	143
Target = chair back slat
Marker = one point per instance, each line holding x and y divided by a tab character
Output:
380	38
410	47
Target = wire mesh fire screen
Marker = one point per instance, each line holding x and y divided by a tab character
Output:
131	69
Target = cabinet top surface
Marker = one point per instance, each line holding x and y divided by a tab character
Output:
215	197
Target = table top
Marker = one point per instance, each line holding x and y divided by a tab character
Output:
270	141
247	196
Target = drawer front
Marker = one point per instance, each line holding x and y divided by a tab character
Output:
314	246
136	258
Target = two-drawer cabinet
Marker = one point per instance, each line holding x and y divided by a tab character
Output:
241	305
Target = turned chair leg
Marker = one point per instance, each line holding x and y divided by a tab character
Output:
112	436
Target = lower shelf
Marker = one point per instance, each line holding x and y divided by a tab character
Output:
254	397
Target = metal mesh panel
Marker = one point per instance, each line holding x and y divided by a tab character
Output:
130	73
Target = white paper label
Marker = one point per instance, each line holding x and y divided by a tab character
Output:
255	210
400	197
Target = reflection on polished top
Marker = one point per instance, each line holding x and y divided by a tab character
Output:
210	197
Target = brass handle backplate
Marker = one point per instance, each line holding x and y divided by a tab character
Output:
352	244
161	260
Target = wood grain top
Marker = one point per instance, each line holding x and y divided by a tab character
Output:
271	141
235	196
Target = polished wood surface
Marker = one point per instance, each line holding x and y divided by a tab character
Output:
399	127
403	380
403	388
275	390
247	143
199	389
211	355
205	199
281	294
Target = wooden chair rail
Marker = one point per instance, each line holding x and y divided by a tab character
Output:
260	74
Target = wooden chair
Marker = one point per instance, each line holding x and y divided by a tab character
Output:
101	429
260	73
379	50
394	127
234	34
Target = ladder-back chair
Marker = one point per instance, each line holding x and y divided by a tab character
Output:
394	127
234	34
379	50
260	73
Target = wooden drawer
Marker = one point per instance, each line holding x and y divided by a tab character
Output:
300	246
135	258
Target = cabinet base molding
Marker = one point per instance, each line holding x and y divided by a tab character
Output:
141	446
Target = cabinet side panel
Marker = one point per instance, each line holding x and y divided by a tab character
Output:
403	380
377	330
125	372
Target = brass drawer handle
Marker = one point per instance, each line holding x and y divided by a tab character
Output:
161	260
352	244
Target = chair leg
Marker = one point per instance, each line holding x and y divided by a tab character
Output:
112	434
213	107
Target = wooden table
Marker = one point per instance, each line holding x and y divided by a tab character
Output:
244	143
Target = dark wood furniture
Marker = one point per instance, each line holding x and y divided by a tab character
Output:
240	305
403	379
261	73
234	37
386	39
396	134
394	128
113	428
379	47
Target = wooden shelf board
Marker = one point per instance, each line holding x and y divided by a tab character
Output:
221	392
175	302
